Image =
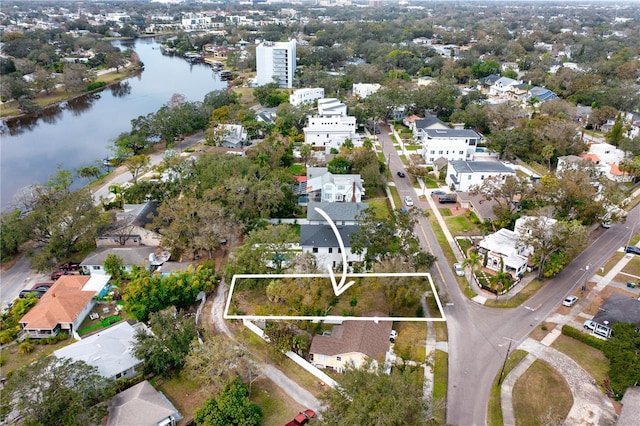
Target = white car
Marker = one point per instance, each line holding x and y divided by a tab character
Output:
408	201
569	301
458	269
590	325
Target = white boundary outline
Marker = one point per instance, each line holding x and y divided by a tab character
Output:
333	317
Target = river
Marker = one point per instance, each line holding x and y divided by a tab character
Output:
79	133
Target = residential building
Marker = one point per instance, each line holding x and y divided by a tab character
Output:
503	86
452	144
503	253
340	213
142	405
331	107
541	94
330	132
334	188
462	175
129	227
62	308
421	125
110	351
363	90
276	61
322	243
306	96
235	136
147	257
352	342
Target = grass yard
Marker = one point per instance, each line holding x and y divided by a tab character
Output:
396	196
494	411
460	225
589	358
542	330
613	261
184	394
541	396
277	407
380	206
12	360
246	95
440	374
411	341
518	299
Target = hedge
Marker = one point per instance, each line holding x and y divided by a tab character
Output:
583	337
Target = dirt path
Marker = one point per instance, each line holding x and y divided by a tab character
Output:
288	386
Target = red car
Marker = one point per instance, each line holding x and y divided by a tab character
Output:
302	418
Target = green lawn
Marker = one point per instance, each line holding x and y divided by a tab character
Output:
589	358
461	225
494	411
541	396
517	300
440	374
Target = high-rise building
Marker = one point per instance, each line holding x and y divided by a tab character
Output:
276	61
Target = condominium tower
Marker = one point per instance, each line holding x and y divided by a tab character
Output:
276	61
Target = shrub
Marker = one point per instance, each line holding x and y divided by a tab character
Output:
25	348
592	341
6	336
96	85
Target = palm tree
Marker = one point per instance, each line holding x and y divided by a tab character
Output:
472	261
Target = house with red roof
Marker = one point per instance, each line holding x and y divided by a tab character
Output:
62	308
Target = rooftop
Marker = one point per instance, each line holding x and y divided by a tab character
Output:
366	337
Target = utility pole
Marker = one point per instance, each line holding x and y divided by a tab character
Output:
504	364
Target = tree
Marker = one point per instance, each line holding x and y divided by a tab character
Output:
75	77
89	172
339	165
57	391
219	361
231	408
268	245
623	351
63	221
114	266
547	154
551	239
137	165
305	153
165	348
146	294
14	233
616	133
370	396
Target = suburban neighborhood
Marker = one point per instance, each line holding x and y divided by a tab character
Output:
391	213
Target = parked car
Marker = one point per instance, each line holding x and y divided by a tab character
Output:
569	301
69	266
602	331
302	418
438	193
41	286
590	325
36	293
58	273
632	249
401	174
392	336
408	201
459	270
606	224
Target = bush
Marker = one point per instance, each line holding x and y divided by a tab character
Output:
6	336
25	348
96	85
592	341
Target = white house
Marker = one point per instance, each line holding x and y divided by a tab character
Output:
330	188
276	61
330	132
321	242
462	175
503	86
331	107
110	351
451	144
146	257
503	253
363	90
340	213
421	125
306	96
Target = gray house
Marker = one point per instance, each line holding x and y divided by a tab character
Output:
110	351
142	405
146	257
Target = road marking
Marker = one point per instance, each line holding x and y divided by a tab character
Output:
341	287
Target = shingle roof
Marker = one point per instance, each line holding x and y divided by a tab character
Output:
64	301
110	350
140	405
451	133
129	255
336	211
429	121
462	166
323	236
365	337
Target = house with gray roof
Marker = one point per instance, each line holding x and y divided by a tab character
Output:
419	126
451	144
463	175
351	342
541	93
334	188
630	407
110	351
340	213
142	405
147	257
129	227
322	243
619	308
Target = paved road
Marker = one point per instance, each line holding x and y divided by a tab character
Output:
156	158
479	337
19	277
